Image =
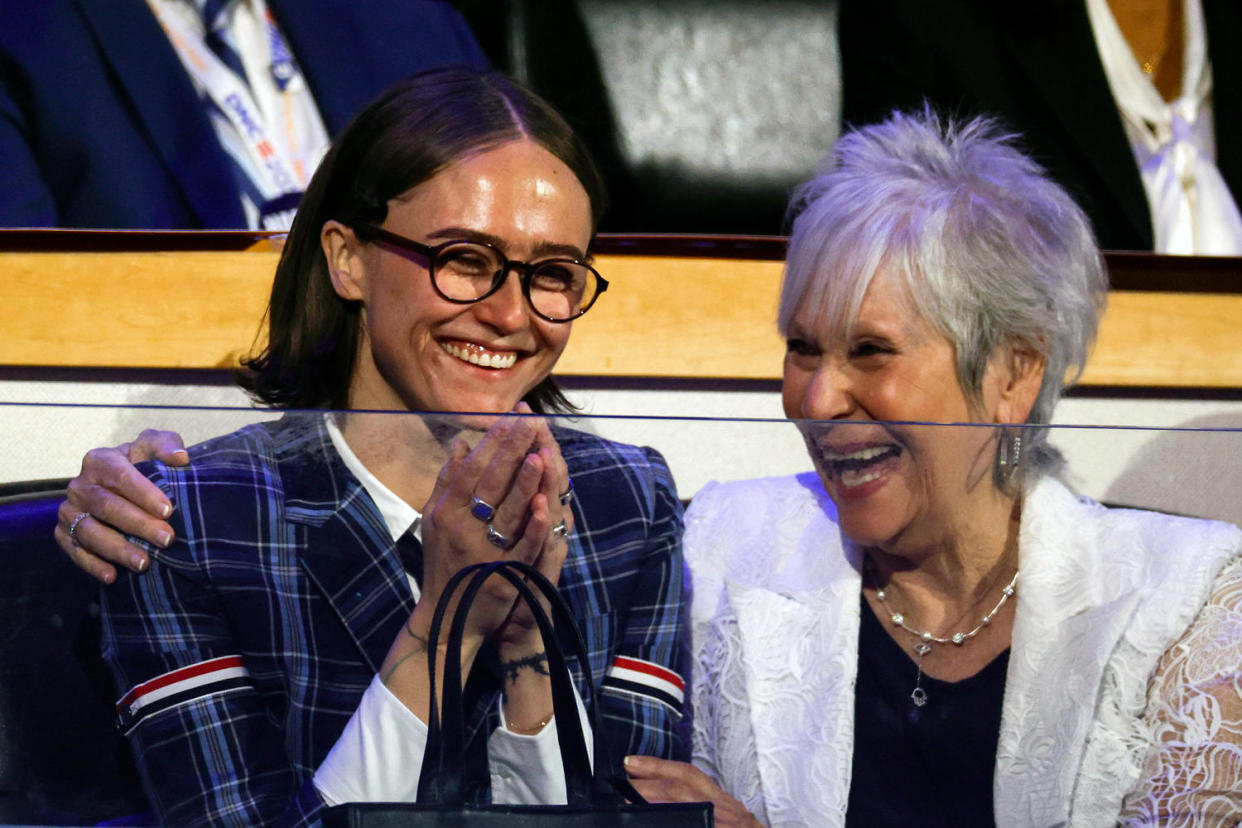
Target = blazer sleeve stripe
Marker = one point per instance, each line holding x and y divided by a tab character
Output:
177	686
632	675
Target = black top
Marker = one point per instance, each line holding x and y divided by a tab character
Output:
929	765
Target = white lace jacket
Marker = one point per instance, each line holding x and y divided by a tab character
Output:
1123	699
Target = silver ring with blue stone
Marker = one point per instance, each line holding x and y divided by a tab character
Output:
481	509
497	539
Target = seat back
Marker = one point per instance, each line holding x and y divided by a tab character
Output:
62	760
703	114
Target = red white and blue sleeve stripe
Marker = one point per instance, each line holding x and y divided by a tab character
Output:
176	687
633	676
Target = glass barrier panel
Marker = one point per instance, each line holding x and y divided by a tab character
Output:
1182	469
278	476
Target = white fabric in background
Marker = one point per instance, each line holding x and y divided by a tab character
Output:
1174	143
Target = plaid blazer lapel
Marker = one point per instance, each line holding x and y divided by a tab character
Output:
348	554
360	580
346	549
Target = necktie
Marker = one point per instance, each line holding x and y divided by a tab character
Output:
215	31
411	552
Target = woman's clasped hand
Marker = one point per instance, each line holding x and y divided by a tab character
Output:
501	499
515	473
663	780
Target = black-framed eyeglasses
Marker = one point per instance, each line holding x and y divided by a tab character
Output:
464	272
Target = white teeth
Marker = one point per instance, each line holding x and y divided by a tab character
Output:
861	454
483	359
850	479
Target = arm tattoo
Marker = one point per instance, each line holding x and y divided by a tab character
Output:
537	662
418	650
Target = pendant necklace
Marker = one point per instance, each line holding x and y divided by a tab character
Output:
924	639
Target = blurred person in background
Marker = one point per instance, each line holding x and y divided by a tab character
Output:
1128	104
194	114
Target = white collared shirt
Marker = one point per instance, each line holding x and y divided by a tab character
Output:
1192	210
380	753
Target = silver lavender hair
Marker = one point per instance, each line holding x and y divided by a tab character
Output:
992	252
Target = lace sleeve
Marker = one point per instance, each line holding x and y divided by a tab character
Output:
1192	775
724	746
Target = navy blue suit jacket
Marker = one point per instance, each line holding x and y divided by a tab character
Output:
100	126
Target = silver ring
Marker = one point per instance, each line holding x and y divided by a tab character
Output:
481	509
496	539
73	527
560	530
568	494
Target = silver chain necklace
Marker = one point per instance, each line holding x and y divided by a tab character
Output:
924	639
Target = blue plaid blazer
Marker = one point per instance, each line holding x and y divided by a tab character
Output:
248	644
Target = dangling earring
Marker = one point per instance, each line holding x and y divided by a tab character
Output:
1008	457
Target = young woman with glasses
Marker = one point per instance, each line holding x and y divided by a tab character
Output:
272	655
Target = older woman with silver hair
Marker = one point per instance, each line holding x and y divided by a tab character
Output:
932	629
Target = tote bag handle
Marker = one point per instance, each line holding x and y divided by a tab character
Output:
443	771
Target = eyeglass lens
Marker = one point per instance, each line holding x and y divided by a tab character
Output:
558	287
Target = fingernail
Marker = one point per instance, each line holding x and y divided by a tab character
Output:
139	563
626	761
163	539
165	509
182	453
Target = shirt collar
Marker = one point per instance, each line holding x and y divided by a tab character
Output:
399	516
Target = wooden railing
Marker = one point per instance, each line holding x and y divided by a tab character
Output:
679	307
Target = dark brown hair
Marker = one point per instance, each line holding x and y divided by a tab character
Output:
406	136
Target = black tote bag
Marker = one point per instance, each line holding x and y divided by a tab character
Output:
595	799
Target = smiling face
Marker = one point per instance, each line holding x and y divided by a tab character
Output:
899	486
421	352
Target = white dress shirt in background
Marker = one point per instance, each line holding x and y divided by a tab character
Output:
1192	210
